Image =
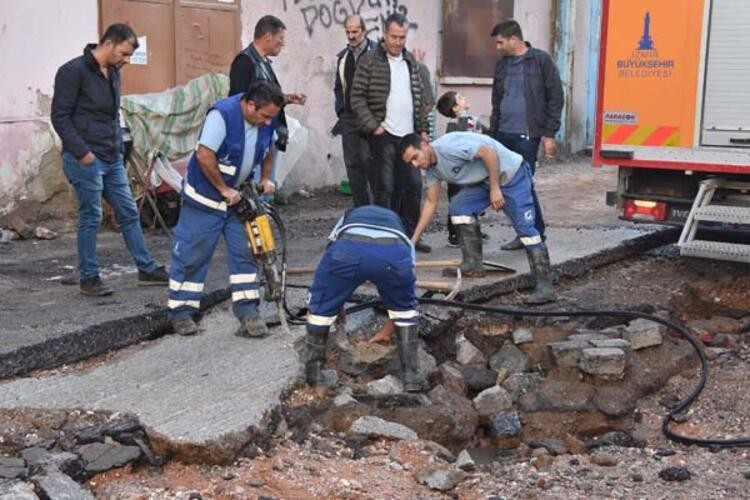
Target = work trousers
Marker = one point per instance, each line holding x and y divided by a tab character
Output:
195	239
396	185
528	147
347	264
474	199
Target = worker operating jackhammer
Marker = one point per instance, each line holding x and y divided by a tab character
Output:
237	138
367	244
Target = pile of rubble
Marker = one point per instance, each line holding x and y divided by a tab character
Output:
556	386
53	466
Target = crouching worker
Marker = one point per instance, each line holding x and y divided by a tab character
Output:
367	244
490	175
236	138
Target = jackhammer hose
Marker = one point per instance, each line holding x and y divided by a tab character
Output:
684	333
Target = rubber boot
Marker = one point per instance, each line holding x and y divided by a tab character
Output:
542	271
407	342
315	359
470	239
514	244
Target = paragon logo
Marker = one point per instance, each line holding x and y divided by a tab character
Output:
644	62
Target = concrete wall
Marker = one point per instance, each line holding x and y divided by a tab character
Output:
32	46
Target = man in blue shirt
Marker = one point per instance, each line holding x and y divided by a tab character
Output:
490	175
236	139
367	244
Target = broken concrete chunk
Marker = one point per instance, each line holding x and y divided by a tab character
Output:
441	479
385	386
427	363
377	427
343	400
452	379
586	336
511	358
65	462
493	400
478	378
101	457
465	461
567	354
522	336
505	424
60	487
603	361
642	333
616	343
519	384
17	490
468	354
13	468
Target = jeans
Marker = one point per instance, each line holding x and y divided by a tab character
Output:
109	180
528	147
396	185
356	158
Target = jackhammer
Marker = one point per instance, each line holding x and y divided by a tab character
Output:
256	215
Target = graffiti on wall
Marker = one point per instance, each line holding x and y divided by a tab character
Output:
327	14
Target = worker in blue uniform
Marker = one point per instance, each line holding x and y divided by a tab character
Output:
490	175
367	244
236	139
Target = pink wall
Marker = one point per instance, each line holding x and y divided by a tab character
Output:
33	43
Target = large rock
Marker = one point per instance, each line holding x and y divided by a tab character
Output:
519	384
440	478
642	333
603	361
522	336
16	490
377	427
505	424
477	378
465	461
567	354
66	462
61	487
360	358
487	338
510	358
616	343
452	379
385	386
100	457
491	401
427	363
468	354
13	468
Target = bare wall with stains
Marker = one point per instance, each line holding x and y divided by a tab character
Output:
32	46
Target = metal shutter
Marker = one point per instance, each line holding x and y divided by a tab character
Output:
726	111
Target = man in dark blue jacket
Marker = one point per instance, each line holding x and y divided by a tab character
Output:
527	100
236	140
85	114
355	145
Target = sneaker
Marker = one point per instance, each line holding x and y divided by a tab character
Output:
94	287
252	327
185	326
423	247
158	276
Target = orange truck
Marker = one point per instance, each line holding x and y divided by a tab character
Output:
673	111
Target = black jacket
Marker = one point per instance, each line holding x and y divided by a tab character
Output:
86	108
543	91
338	86
247	67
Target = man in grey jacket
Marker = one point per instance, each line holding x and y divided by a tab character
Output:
387	98
527	100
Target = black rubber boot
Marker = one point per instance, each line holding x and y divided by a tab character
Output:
470	239
452	236
541	269
407	342
315	359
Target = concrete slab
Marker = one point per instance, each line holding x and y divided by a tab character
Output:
212	391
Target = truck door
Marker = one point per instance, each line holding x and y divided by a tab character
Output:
726	105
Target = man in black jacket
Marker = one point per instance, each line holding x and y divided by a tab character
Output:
527	100
85	114
253	64
354	144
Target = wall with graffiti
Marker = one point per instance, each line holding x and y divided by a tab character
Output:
315	34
